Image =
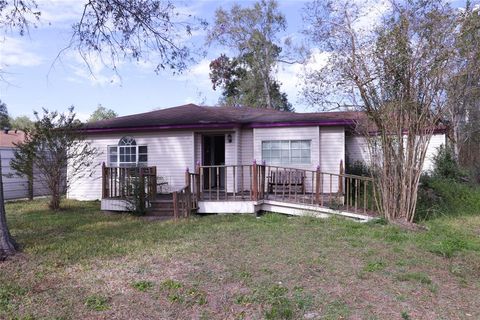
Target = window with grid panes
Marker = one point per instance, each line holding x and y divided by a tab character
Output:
127	154
285	152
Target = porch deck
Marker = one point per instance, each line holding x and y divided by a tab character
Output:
249	189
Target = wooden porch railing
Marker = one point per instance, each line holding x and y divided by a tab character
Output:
185	199
255	182
123	182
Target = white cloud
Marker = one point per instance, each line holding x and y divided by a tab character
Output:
197	74
290	76
82	116
60	11
371	12
15	52
91	69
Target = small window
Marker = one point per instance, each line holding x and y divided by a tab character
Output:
127	153
284	152
113	156
143	154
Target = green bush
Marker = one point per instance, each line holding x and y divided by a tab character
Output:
446	190
446	167
136	201
358	168
442	196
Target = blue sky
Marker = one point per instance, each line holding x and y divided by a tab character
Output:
35	81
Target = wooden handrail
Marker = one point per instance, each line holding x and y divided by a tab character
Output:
253	182
119	182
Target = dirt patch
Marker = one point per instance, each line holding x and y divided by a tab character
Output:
236	267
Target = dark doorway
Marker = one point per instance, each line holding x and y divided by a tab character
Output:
214	155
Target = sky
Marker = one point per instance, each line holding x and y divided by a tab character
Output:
35	79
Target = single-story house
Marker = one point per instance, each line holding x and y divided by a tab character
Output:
188	136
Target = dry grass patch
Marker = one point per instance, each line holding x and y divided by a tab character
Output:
81	263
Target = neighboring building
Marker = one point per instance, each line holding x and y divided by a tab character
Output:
8	138
14	186
177	138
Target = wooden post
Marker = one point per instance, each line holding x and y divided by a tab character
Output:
255	181
175	205
104	181
263	169
317	186
188	202
141	187
187	177
154	181
197	180
187	194
340	178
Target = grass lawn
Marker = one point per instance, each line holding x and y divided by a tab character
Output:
83	264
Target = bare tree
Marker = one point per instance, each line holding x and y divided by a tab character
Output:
136	29
464	89
396	73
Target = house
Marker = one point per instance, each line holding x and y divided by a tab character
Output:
14	186
220	146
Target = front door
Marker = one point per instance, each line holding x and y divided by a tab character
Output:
214	155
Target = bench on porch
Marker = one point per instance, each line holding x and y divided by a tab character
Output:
286	180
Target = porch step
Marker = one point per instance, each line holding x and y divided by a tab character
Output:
161	207
164	212
166	204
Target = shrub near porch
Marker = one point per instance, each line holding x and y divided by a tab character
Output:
80	263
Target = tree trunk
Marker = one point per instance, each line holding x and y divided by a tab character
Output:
8	246
456	136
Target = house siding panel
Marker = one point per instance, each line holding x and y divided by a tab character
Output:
297	133
357	149
246	156
171	152
435	142
332	151
327	149
246	146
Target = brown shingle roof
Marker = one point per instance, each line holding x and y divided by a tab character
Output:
192	115
8	139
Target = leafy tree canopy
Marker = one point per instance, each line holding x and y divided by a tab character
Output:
55	143
4	119
102	113
22	123
249	77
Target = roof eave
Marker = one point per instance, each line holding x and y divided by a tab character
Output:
162	127
325	123
232	125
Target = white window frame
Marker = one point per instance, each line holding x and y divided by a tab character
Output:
137	155
283	151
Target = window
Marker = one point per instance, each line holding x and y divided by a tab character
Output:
277	152
127	154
